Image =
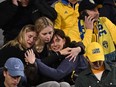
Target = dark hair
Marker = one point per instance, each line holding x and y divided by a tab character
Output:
4	69
59	32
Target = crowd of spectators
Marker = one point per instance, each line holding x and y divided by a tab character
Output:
58	43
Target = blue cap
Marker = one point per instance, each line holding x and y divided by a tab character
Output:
14	66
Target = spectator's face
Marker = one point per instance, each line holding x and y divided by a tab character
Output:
46	34
11	81
57	43
96	65
30	38
24	3
93	13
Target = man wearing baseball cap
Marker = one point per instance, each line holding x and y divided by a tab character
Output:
93	28
99	73
13	71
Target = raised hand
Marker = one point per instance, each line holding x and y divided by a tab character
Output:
30	56
74	53
89	22
65	51
15	2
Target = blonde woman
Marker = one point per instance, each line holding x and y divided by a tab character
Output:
45	31
17	47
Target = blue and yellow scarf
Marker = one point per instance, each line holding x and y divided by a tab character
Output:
101	35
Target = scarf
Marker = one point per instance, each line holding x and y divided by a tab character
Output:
101	35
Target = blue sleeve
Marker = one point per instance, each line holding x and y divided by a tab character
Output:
62	70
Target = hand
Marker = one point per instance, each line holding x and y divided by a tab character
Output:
30	56
15	2
89	22
74	53
65	51
23	3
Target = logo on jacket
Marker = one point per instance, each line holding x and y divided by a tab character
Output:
105	44
66	12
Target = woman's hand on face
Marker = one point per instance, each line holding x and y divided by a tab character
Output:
74	53
30	56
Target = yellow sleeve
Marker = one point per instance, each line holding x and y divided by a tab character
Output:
87	37
111	27
58	19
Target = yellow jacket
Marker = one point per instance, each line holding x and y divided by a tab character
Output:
67	19
89	36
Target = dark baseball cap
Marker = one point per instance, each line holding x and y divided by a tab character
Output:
88	5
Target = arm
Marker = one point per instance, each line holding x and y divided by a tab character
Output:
77	49
58	20
75	44
88	22
7	11
52	58
62	70
45	9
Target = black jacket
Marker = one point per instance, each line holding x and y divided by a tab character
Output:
11	51
88	79
109	10
53	60
13	18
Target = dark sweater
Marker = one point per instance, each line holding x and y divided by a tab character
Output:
11	51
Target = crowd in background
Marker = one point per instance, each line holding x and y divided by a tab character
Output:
58	43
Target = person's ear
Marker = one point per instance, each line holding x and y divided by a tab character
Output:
4	73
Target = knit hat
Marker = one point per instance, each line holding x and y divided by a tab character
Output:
94	52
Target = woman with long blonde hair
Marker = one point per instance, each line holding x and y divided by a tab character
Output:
45	31
17	47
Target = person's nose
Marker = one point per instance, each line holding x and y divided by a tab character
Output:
31	40
48	36
16	79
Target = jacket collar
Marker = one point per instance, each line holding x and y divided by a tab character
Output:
88	71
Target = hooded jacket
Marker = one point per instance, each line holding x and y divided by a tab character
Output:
67	18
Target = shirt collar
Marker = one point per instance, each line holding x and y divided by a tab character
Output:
88	71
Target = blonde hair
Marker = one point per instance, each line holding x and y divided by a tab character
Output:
41	24
20	39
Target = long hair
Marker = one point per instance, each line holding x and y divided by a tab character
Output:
41	24
20	39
